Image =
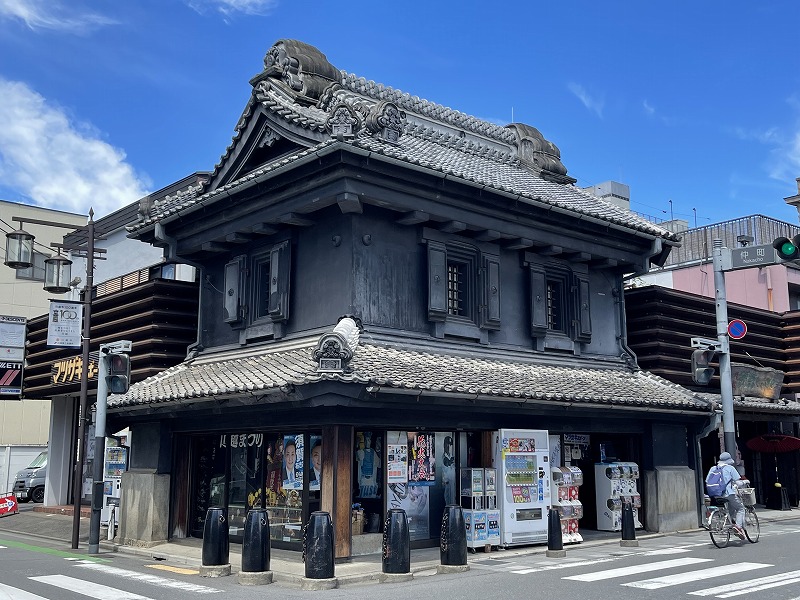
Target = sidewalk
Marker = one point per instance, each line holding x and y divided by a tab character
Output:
55	524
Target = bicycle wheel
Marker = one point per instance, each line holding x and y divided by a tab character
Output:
719	528
751	527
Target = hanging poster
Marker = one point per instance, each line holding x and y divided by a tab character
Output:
396	463
422	462
414	500
368	459
292	472
65	324
315	475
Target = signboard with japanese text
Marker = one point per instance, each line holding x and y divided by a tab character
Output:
64	324
752	256
12	354
68	370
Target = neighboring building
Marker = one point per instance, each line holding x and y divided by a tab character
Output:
24	426
374	269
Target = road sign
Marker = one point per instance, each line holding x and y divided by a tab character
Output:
737	329
8	504
751	256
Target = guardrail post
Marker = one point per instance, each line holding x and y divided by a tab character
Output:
396	547
318	551
256	549
555	543
628	526
216	546
453	541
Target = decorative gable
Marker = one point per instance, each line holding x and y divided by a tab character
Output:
387	120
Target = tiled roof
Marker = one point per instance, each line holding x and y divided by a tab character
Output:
392	368
434	137
758	405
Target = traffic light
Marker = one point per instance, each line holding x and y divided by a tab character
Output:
119	373
702	371
787	249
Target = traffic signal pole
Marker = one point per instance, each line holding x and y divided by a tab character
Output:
99	451
725	379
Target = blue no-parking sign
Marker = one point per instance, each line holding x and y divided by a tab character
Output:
737	329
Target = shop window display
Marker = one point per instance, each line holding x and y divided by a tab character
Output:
284	486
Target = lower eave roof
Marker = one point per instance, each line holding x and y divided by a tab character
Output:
393	369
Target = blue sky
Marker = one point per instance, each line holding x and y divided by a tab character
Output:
694	104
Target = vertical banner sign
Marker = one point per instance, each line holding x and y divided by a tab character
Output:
12	355
65	324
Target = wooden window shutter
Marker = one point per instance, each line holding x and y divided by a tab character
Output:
538	301
583	313
437	281
279	279
232	303
490	313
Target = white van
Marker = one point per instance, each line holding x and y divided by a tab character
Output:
29	482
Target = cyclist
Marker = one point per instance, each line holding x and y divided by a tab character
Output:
732	478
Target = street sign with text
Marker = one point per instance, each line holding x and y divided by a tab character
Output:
750	256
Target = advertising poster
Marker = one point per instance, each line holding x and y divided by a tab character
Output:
446	466
292	472
422	460
315	475
396	463
368	464
65	324
414	500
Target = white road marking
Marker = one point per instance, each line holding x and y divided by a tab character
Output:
668	580
87	588
11	593
148	578
666	551
636	569
582	563
750	585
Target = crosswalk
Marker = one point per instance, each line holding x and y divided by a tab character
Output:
660	568
87	588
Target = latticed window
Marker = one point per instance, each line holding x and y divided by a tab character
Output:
457	288
555	306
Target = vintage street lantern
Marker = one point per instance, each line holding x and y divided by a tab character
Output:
57	274
19	249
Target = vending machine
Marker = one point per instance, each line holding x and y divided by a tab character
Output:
615	483
479	504
521	457
116	463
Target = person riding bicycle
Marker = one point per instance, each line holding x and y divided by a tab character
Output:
733	480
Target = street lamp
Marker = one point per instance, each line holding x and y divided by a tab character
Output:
19	255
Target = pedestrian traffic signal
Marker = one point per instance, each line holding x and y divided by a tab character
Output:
787	249
119	373
702	371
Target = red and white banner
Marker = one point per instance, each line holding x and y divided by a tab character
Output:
8	504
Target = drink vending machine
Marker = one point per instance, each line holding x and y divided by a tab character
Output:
479	505
116	463
521	457
615	483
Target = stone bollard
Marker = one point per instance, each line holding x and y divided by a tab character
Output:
628	527
555	544
256	549
453	545
215	544
318	553
396	548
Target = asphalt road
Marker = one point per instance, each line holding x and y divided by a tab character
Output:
680	565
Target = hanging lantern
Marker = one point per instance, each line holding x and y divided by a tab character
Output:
19	249
57	274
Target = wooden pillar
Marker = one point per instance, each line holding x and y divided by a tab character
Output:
337	477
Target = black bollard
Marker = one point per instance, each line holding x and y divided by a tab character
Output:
256	543
454	536
628	527
318	546
554	540
215	537
396	542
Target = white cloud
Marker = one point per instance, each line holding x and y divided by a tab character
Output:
593	104
231	7
648	108
57	163
53	15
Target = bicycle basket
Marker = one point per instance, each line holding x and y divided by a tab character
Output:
748	496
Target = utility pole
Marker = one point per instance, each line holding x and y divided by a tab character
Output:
725	383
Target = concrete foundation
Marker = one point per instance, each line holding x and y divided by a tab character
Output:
215	571
446	569
255	577
144	508
318	584
671	495
395	577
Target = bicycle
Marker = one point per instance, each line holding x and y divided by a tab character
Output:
720	525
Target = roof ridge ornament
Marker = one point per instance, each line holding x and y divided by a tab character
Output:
343	121
387	120
334	350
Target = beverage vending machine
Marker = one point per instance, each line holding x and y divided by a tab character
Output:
521	457
479	505
116	463
615	483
